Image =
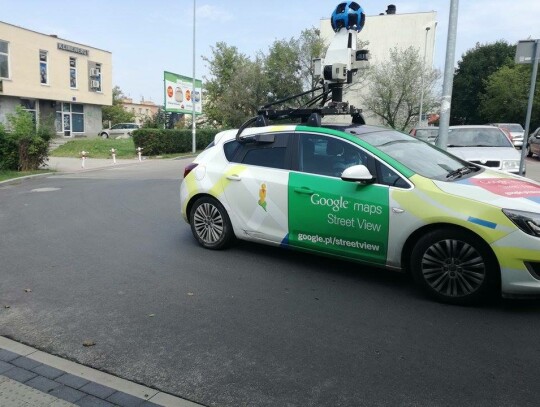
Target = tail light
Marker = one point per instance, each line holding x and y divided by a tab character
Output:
188	169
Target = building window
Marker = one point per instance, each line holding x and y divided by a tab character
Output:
72	72
4	59
69	118
95	77
29	105
43	68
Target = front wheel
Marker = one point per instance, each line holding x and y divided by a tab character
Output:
455	267
529	152
210	224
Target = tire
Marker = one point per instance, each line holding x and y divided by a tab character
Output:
104	135
455	267
529	152
210	224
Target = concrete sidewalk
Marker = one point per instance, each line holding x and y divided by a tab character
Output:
31	378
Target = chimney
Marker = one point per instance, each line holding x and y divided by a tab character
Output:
391	9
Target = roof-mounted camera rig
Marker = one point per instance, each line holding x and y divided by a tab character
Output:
338	67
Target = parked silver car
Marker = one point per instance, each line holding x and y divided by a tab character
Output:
120	130
515	130
484	145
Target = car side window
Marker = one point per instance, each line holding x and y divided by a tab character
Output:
325	155
387	176
116	126
263	154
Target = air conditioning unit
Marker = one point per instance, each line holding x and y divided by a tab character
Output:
95	84
94	72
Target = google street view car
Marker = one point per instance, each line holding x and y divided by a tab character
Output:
367	194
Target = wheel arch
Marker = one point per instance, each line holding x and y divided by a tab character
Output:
407	250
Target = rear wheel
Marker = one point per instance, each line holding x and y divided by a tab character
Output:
210	224
529	152
454	266
104	135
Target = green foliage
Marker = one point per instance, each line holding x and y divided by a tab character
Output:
507	94
165	141
476	65
394	90
23	147
97	148
283	70
116	113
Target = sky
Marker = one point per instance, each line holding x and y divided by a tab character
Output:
148	37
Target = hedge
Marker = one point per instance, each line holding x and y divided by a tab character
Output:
165	141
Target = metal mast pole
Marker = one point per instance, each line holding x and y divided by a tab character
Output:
193	129
446	102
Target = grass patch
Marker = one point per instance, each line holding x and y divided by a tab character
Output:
5	175
96	148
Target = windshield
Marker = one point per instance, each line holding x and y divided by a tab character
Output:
477	137
426	134
420	157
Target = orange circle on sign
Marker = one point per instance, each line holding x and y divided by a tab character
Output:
188	95
169	91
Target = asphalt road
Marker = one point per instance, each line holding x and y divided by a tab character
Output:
107	258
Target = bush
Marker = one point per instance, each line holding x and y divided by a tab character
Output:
23	147
164	141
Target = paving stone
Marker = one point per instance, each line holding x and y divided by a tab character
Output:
97	390
19	374
42	383
124	399
25	363
72	381
48	371
7	356
4	366
150	404
91	401
67	393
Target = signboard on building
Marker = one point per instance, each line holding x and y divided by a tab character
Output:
180	95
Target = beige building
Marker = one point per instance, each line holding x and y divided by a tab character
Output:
143	110
383	32
54	78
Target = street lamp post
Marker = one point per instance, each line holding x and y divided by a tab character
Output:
193	130
423	74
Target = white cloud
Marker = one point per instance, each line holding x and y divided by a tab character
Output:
213	13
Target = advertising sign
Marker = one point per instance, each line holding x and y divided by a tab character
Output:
180	95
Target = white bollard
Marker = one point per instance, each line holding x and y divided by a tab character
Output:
139	153
83	158
113	152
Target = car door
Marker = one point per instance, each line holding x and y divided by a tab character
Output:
116	130
330	215
256	188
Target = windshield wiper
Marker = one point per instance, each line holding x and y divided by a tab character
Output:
461	171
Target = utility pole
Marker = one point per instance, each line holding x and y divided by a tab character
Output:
423	74
193	125
446	102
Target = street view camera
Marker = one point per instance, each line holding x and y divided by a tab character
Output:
338	67
342	60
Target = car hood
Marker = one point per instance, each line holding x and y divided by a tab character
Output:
485	153
497	188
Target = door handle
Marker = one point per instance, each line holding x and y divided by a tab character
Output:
304	190
234	177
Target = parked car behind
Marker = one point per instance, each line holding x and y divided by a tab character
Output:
120	130
428	134
533	147
515	130
484	145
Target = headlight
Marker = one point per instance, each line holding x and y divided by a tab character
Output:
528	222
510	165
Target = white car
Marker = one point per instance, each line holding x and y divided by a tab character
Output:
484	145
374	196
120	130
515	130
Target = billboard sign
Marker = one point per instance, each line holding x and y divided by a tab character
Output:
180	95
525	52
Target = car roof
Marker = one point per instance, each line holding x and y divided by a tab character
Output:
472	126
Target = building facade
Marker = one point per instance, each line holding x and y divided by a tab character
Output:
143	110
384	32
54	79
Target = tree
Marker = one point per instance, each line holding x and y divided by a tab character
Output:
394	88
283	70
116	113
476	65
310	46
506	96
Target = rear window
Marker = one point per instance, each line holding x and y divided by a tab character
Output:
512	127
477	137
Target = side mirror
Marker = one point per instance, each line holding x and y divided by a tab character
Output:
358	173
